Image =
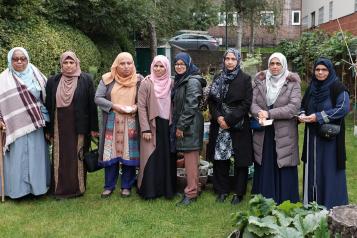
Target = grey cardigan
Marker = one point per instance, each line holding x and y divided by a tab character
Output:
284	114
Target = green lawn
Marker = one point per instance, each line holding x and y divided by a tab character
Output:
91	216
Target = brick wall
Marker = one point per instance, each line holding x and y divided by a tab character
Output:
263	36
348	23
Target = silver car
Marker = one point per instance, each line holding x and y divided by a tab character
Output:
195	41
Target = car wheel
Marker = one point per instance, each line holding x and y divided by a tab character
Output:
203	47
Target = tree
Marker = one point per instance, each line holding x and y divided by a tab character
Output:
252	12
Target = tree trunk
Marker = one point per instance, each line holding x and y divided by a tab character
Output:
252	34
342	220
240	25
153	39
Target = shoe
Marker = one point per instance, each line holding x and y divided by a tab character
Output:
106	193
236	199
221	197
125	193
186	201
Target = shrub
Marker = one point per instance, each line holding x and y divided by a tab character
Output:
45	43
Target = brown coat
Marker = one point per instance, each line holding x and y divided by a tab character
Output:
284	114
148	110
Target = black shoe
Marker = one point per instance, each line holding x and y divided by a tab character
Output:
186	201
106	193
221	197
236	199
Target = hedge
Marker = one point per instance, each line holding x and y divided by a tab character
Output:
45	42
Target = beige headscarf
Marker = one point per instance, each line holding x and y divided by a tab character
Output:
124	90
68	81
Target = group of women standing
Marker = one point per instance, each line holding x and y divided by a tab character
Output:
146	121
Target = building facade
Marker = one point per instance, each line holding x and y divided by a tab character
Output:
288	26
326	14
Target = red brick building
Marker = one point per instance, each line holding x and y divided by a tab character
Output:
288	27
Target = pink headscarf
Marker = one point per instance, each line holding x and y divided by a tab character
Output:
162	85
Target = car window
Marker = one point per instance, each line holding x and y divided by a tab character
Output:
187	37
201	38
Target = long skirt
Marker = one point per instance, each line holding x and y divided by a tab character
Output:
159	177
27	166
326	183
69	175
280	184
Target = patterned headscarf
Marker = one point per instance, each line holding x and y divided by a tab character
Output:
274	83
220	85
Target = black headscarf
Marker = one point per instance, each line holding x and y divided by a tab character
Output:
320	89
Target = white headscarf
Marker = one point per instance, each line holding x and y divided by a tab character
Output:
274	83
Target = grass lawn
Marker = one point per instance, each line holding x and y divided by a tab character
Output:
91	216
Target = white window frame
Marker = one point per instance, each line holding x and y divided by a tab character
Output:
330	10
222	18
321	16
271	15
298	23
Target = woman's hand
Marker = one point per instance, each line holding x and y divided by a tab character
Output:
222	123
263	115
125	109
147	136
311	118
94	133
179	133
2	125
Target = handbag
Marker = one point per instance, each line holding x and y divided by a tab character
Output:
329	131
227	110
90	158
254	124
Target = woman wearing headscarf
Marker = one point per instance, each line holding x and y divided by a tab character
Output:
22	113
229	102
74	119
119	143
157	169
276	96
188	120
326	101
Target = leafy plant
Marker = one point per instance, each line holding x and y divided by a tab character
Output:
265	219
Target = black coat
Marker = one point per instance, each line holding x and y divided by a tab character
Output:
85	109
239	97
186	114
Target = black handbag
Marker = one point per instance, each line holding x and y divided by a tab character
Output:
227	110
329	131
90	158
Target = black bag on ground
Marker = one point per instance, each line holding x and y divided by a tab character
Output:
90	158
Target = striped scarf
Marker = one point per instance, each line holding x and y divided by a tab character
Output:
19	109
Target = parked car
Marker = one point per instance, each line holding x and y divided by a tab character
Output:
195	41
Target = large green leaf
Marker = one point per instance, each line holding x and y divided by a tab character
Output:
263	227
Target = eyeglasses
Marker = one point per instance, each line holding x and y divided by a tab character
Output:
323	70
22	59
180	65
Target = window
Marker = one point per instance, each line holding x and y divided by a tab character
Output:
355	5
305	22
267	18
232	19
313	22
321	15
330	10
295	18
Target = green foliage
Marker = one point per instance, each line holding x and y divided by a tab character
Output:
311	45
265	219
46	42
